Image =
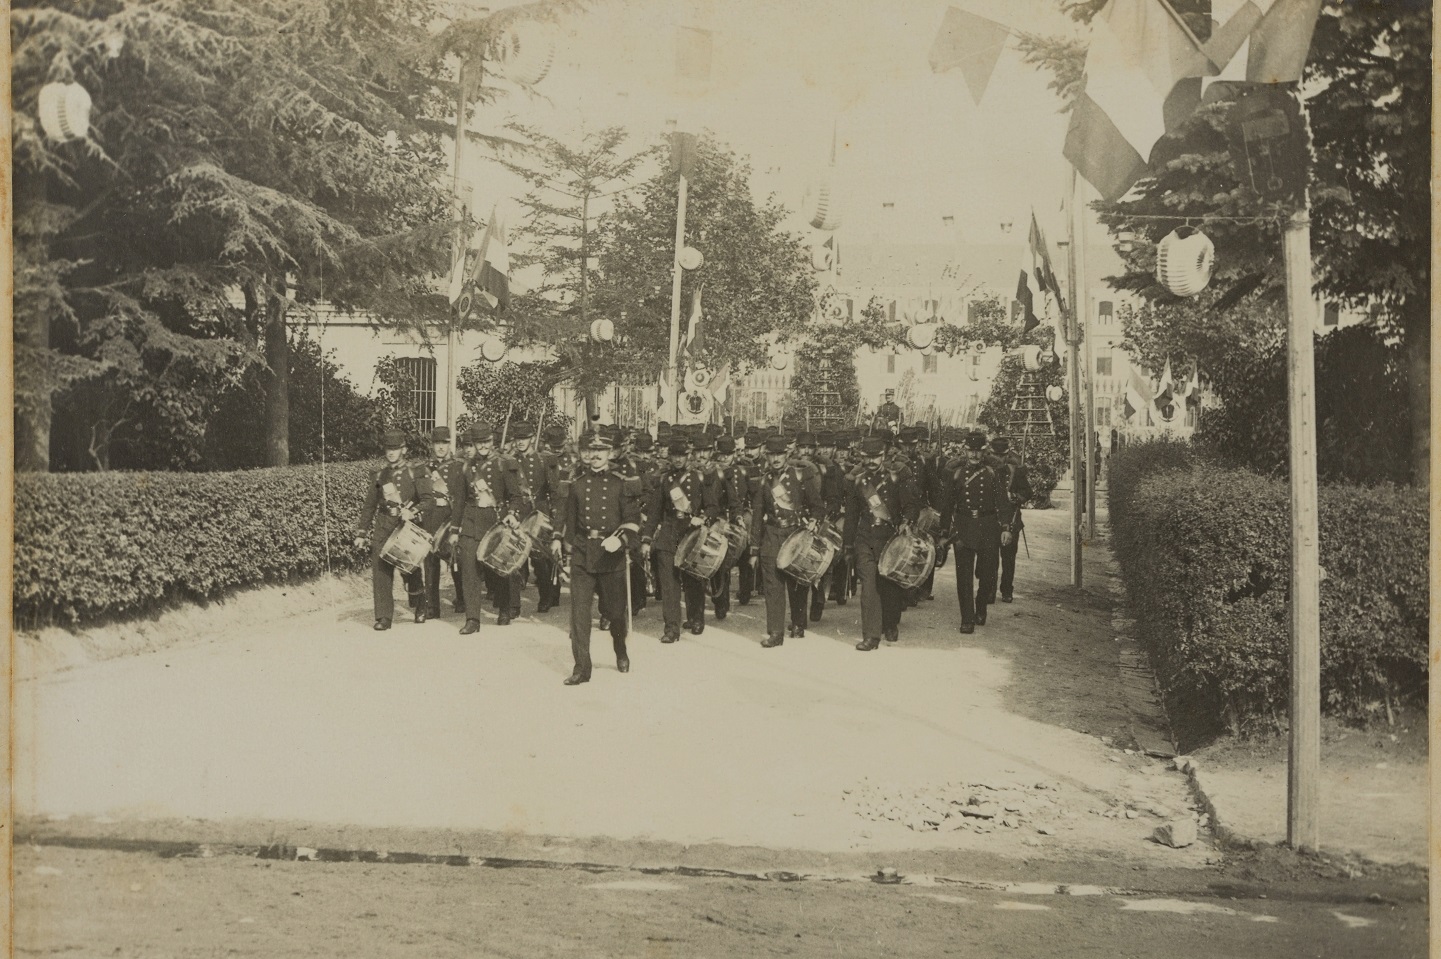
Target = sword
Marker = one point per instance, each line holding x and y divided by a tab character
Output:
1026	541
626	550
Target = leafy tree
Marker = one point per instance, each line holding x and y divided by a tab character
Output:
1047	456
269	147
503	394
1368	86
756	280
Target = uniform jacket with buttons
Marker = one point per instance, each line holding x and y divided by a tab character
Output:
495	478
1017	487
538	474
736	482
786	498
878	501
442	486
833	488
972	506
607	503
676	496
391	487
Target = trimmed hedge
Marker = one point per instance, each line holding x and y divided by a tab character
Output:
1205	555
92	546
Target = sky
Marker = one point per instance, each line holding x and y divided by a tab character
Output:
786	74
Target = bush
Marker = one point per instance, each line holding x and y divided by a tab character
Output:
99	545
1205	555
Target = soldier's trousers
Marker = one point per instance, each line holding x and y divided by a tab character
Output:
382	582
610	587
673	586
881	599
840	579
745	577
1008	565
433	564
547	584
782	591
637	582
473	574
720	590
975	580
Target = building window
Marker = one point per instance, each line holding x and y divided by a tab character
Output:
891	363
421	370
758	402
1103	411
1103	366
928	363
1107	312
1333	314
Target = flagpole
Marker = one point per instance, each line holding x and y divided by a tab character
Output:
450	345
1083	304
1077	266
672	401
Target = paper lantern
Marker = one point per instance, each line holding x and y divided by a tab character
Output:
602	331
1047	357
1184	260
1031	356
822	257
780	361
824	214
493	349
690	258
525	53
921	335
1054	393
64	110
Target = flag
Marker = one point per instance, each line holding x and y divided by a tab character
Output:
720	385
1193	386
467	249
1166	387
1135	395
1265	41
1027	292
1037	277
683	154
972	44
1142	75
492	276
695	329
1041	257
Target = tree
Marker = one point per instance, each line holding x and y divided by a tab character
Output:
262	149
500	395
1368	84
1047	456
756	282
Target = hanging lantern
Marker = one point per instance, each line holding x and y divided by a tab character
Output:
690	258
779	361
492	349
1184	260
525	53
602	331
824	214
921	335
1054	393
823	255
1047	356
1031	356
64	110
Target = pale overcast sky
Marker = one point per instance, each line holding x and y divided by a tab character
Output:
786	72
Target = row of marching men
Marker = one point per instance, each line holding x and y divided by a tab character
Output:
799	518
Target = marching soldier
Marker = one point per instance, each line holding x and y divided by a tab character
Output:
789	497
879	501
972	514
491	493
838	455
393	498
733	481
601	512
444	485
538	474
680	500
638	465
1016	490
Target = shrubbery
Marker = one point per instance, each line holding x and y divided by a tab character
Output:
1205	555
96	545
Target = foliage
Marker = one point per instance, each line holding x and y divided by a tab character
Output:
502	394
1047	457
1205	555
1361	385
396	403
351	421
236	145
757	280
92	546
1368	90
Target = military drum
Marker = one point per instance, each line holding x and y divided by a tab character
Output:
406	548
907	559
503	549
703	551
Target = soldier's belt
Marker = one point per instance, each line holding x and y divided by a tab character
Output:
595	534
390	510
975	514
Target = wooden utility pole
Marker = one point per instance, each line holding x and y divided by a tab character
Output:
1302	794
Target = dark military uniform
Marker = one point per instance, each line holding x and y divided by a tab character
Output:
598	505
880	500
971	513
444	481
1016	489
392	488
490	491
538	474
733	484
678	497
786	499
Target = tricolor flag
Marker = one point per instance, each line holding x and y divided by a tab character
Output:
1193	386
1027	292
695	329
683	153
720	384
1264	41
1135	396
467	250
1143	74
1037	277
492	277
971	44
1165	388
1041	256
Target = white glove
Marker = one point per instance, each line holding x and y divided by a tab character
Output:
407	514
697	520
555	549
1005	537
511	521
645	551
610	544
